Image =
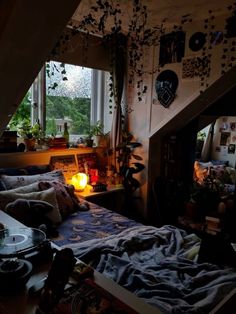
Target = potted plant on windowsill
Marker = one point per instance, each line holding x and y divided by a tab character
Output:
30	134
97	132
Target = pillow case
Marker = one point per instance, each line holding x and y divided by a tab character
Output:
67	201
29	212
12	182
46	195
33	187
27	170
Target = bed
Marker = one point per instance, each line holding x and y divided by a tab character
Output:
159	265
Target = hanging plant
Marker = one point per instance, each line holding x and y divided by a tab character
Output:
51	70
137	36
105	21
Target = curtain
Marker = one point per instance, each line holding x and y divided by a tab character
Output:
118	46
207	146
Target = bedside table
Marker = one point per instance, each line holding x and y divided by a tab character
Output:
112	198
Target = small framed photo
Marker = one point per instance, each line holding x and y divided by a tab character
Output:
232	126
66	163
224	138
231	149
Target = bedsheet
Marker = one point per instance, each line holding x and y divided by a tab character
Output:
97	222
160	266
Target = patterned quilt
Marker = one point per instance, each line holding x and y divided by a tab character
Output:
97	222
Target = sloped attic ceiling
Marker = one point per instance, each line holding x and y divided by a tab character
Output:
28	32
169	11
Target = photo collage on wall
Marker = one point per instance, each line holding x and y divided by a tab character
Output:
227	137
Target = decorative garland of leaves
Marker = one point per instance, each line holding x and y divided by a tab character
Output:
51	68
139	36
229	56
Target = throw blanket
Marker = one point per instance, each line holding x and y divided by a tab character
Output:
159	266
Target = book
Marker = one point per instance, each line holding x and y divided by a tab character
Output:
89	297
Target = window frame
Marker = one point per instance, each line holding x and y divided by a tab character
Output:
99	94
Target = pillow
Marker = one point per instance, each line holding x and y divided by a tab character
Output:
33	187
218	172
29	212
47	196
12	182
220	162
201	170
27	170
67	201
232	174
32	213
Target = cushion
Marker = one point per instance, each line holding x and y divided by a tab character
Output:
47	196
67	201
33	214
12	182
28	170
232	174
220	162
29	212
201	171
218	172
33	187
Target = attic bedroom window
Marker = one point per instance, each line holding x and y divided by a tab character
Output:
80	100
69	101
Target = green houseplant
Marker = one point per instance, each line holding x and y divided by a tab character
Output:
97	133
30	134
127	168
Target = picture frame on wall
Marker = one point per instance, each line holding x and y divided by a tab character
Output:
231	149
172	48
66	163
224	138
232	126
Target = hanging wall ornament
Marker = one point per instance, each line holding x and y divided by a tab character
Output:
197	41
166	85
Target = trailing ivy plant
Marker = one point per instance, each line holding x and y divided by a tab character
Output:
105	19
137	34
51	69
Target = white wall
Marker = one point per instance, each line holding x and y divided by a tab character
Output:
149	117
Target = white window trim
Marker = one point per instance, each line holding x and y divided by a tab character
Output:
38	99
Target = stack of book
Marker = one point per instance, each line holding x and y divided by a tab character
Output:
57	142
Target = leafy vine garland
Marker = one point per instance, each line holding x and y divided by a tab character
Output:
138	36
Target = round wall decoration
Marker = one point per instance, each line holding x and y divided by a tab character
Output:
197	41
166	85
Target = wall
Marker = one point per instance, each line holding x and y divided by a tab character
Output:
150	119
224	140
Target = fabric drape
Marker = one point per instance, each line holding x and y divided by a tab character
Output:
118	76
207	146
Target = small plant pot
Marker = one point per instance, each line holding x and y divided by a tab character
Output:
89	142
97	140
30	144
